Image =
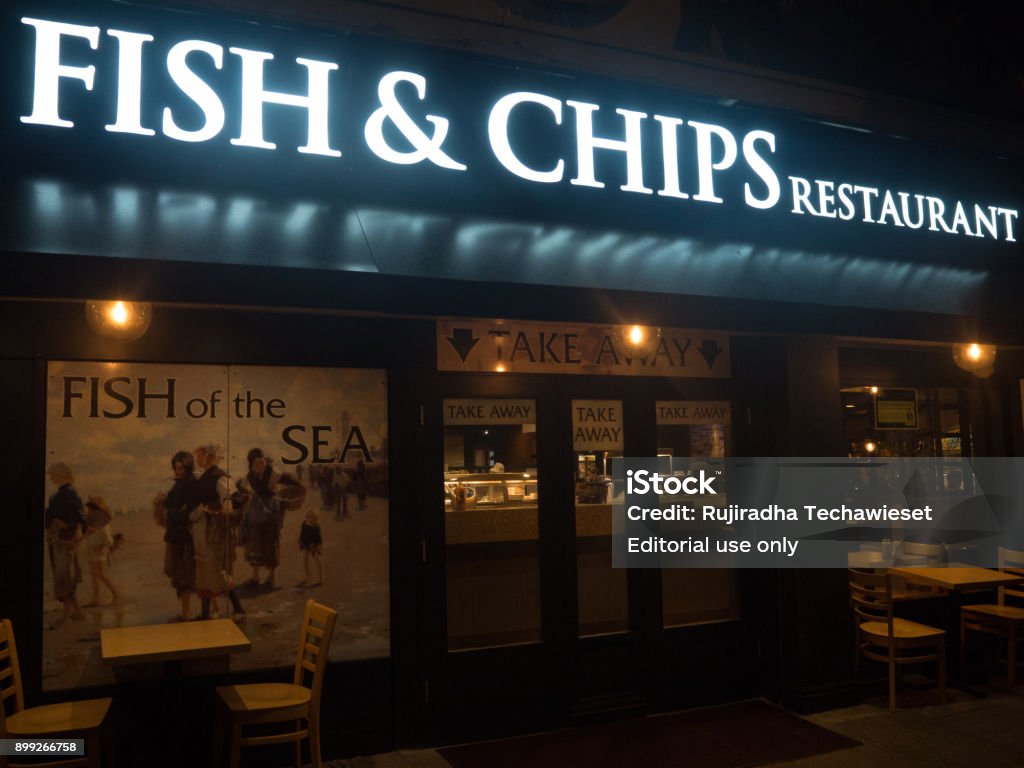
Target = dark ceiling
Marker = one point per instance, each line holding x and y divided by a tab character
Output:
960	54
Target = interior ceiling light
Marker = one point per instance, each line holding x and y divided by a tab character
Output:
979	359
117	319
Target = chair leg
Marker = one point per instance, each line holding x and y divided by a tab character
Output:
1011	657
298	746
314	741
235	746
942	671
94	749
107	739
963	644
892	686
218	734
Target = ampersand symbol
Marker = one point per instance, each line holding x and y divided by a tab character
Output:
425	147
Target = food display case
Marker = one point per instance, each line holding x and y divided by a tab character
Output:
490	507
489	490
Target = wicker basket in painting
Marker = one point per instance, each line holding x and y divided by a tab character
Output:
292	497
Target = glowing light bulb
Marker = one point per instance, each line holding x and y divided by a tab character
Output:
500	368
870	447
118	320
979	359
874	390
636	335
119	313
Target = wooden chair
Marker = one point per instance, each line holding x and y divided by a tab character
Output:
914	553
86	720
881	636
296	704
918	553
1001	620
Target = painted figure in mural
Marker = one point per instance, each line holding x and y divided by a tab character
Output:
334	495
97	546
264	515
333	482
361	483
171	510
65	527
311	543
214	531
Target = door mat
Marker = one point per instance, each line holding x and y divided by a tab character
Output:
738	735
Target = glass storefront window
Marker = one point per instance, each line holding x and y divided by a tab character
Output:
602	590
695	429
931	429
492	550
927	426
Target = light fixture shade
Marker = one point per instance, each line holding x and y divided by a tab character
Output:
119	320
979	359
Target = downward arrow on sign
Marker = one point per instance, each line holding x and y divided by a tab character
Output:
462	341
710	351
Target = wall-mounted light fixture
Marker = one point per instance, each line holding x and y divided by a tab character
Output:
119	320
979	359
640	340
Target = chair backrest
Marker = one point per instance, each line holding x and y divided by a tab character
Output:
10	674
1011	561
920	553
314	645
871	596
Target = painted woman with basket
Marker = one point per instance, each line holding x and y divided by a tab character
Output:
263	517
171	511
214	523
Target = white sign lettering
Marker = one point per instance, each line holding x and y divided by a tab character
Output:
196	89
424	147
254	97
497	131
49	70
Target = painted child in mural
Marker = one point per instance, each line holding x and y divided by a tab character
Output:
311	543
97	546
171	511
214	531
65	527
264	515
361	483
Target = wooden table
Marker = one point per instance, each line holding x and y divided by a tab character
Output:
172	642
958	580
171	645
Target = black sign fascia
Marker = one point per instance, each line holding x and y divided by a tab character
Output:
88	179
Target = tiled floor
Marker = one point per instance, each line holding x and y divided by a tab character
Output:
976	733
965	733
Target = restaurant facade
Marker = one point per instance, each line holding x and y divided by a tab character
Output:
442	289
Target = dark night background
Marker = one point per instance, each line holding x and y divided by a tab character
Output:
964	56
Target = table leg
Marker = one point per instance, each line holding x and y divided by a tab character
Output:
966	677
